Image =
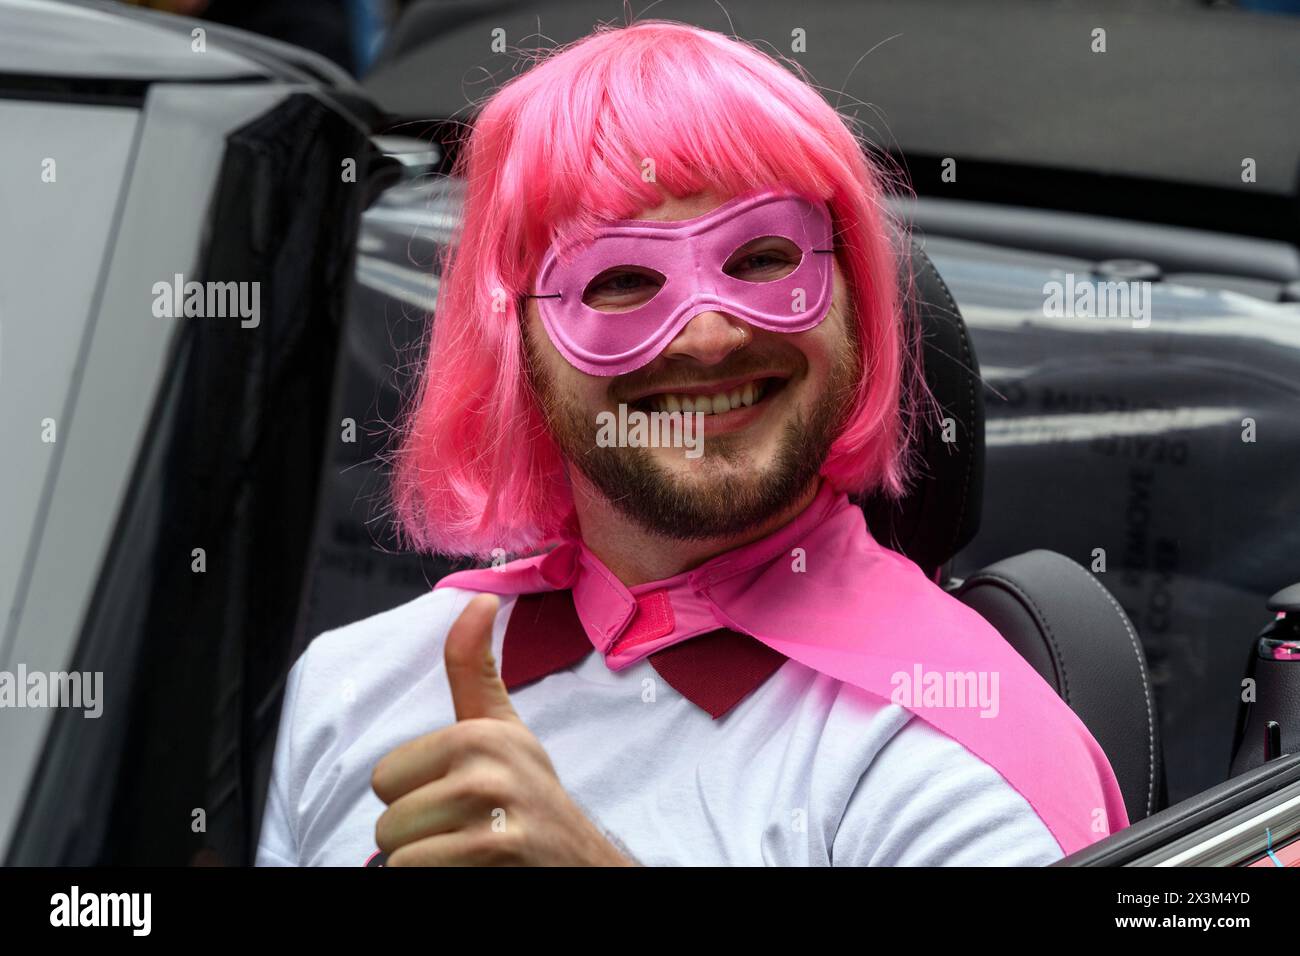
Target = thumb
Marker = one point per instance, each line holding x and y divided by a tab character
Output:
476	688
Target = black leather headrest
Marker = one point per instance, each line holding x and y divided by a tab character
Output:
1064	622
941	512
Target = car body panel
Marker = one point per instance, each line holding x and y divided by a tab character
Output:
167	426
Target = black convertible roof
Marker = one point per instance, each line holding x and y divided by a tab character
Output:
1181	95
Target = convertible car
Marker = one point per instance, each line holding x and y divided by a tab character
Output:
191	495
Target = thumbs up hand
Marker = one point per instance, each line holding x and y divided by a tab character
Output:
481	792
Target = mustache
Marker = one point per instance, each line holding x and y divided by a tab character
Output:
743	363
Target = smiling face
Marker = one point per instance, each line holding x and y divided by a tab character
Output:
772	402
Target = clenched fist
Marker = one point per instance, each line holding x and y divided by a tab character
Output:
481	792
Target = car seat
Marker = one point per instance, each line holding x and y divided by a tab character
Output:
1052	610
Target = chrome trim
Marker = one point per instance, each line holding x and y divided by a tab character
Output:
1237	838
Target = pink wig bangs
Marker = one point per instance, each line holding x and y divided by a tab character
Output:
554	152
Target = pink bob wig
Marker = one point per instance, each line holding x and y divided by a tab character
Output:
562	147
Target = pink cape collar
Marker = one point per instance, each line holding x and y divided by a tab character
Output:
822	591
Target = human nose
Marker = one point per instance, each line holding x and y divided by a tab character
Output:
708	338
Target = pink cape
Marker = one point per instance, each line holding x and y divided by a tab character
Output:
823	592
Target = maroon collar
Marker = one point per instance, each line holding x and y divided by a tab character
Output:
715	670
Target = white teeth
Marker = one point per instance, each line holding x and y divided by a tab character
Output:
745	396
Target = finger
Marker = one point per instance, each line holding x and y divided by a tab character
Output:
476	688
438	807
459	848
414	764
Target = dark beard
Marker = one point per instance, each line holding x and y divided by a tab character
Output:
700	509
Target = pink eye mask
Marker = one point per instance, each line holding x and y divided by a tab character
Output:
690	255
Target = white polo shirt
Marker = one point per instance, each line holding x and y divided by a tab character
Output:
804	771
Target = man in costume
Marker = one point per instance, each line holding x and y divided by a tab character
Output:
704	659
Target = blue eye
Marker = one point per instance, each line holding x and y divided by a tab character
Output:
764	260
622	289
624	282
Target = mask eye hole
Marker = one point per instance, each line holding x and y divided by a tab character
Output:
622	289
765	259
